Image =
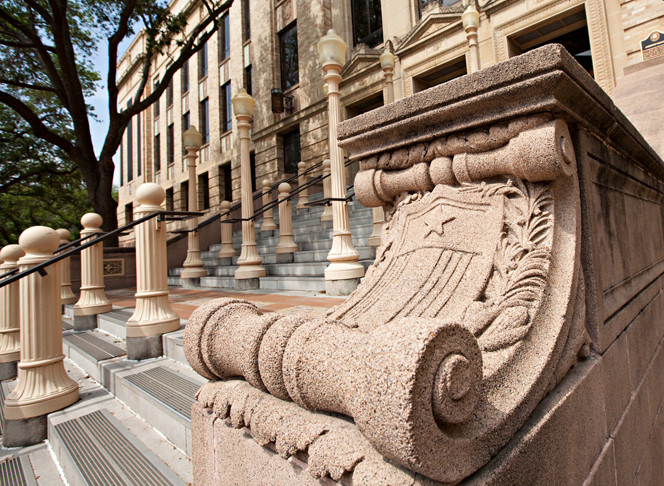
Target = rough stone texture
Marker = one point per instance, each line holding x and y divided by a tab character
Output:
247	284
24	432
8	370
524	233
285	257
190	283
85	323
147	347
341	287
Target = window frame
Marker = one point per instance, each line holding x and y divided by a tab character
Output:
282	55
377	33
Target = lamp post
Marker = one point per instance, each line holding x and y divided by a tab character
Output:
250	270
343	274
471	22
193	265
387	64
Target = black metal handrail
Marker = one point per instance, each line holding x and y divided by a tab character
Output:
76	242
11	277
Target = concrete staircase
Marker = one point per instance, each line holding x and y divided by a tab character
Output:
307	272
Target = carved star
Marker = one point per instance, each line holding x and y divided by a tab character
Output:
435	222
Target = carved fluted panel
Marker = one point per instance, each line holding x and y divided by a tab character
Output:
92	299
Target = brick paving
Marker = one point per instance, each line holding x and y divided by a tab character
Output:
186	301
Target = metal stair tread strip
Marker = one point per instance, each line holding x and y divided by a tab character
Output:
17	471
66	325
103	345
90	349
105	453
179	383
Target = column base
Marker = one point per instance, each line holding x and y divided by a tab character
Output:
226	261
374	241
24	432
85	323
8	370
267	233
190	283
341	287
248	284
285	257
327	225
139	348
196	272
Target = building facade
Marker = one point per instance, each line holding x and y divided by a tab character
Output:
268	45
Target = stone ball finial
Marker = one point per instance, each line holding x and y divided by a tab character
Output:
225	205
326	164
284	188
301	166
266	183
39	240
91	221
63	234
11	253
150	194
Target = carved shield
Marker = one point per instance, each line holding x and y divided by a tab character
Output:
438	258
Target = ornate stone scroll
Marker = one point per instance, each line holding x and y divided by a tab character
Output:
473	310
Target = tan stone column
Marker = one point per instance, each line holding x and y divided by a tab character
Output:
287	245
153	315
303	197
193	265
43	384
343	274
227	251
67	296
247	276
92	300
268	218
327	211
471	22
9	314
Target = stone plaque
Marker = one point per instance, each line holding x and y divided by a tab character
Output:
653	46
114	267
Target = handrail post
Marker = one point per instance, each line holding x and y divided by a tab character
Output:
287	245
303	199
227	252
268	219
92	300
10	346
68	297
326	218
153	315
193	265
43	384
250	269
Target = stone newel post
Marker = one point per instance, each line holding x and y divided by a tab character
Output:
303	197
343	274
9	314
247	276
287	245
268	219
227	251
68	297
153	315
327	212
92	300
193	265
43	384
471	22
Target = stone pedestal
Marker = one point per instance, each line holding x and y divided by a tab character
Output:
193	265
303	197
287	245
68	297
92	300
227	251
268	226
153	315
43	384
326	217
10	346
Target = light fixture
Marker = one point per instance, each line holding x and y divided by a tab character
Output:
192	138
387	60
326	89
470	18
332	49
243	103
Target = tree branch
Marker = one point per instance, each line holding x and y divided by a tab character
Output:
18	84
37	172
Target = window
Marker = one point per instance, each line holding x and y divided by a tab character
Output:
186	121
169	199
224	38
202	62
184	195
290	72
441	75
130	150
291	151
170	144
155	105
129	213
365	105
169	94
121	160
367	22
248	81
156	155
185	77
252	166
247	20
138	145
228	183
203	192
226	109
205	120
